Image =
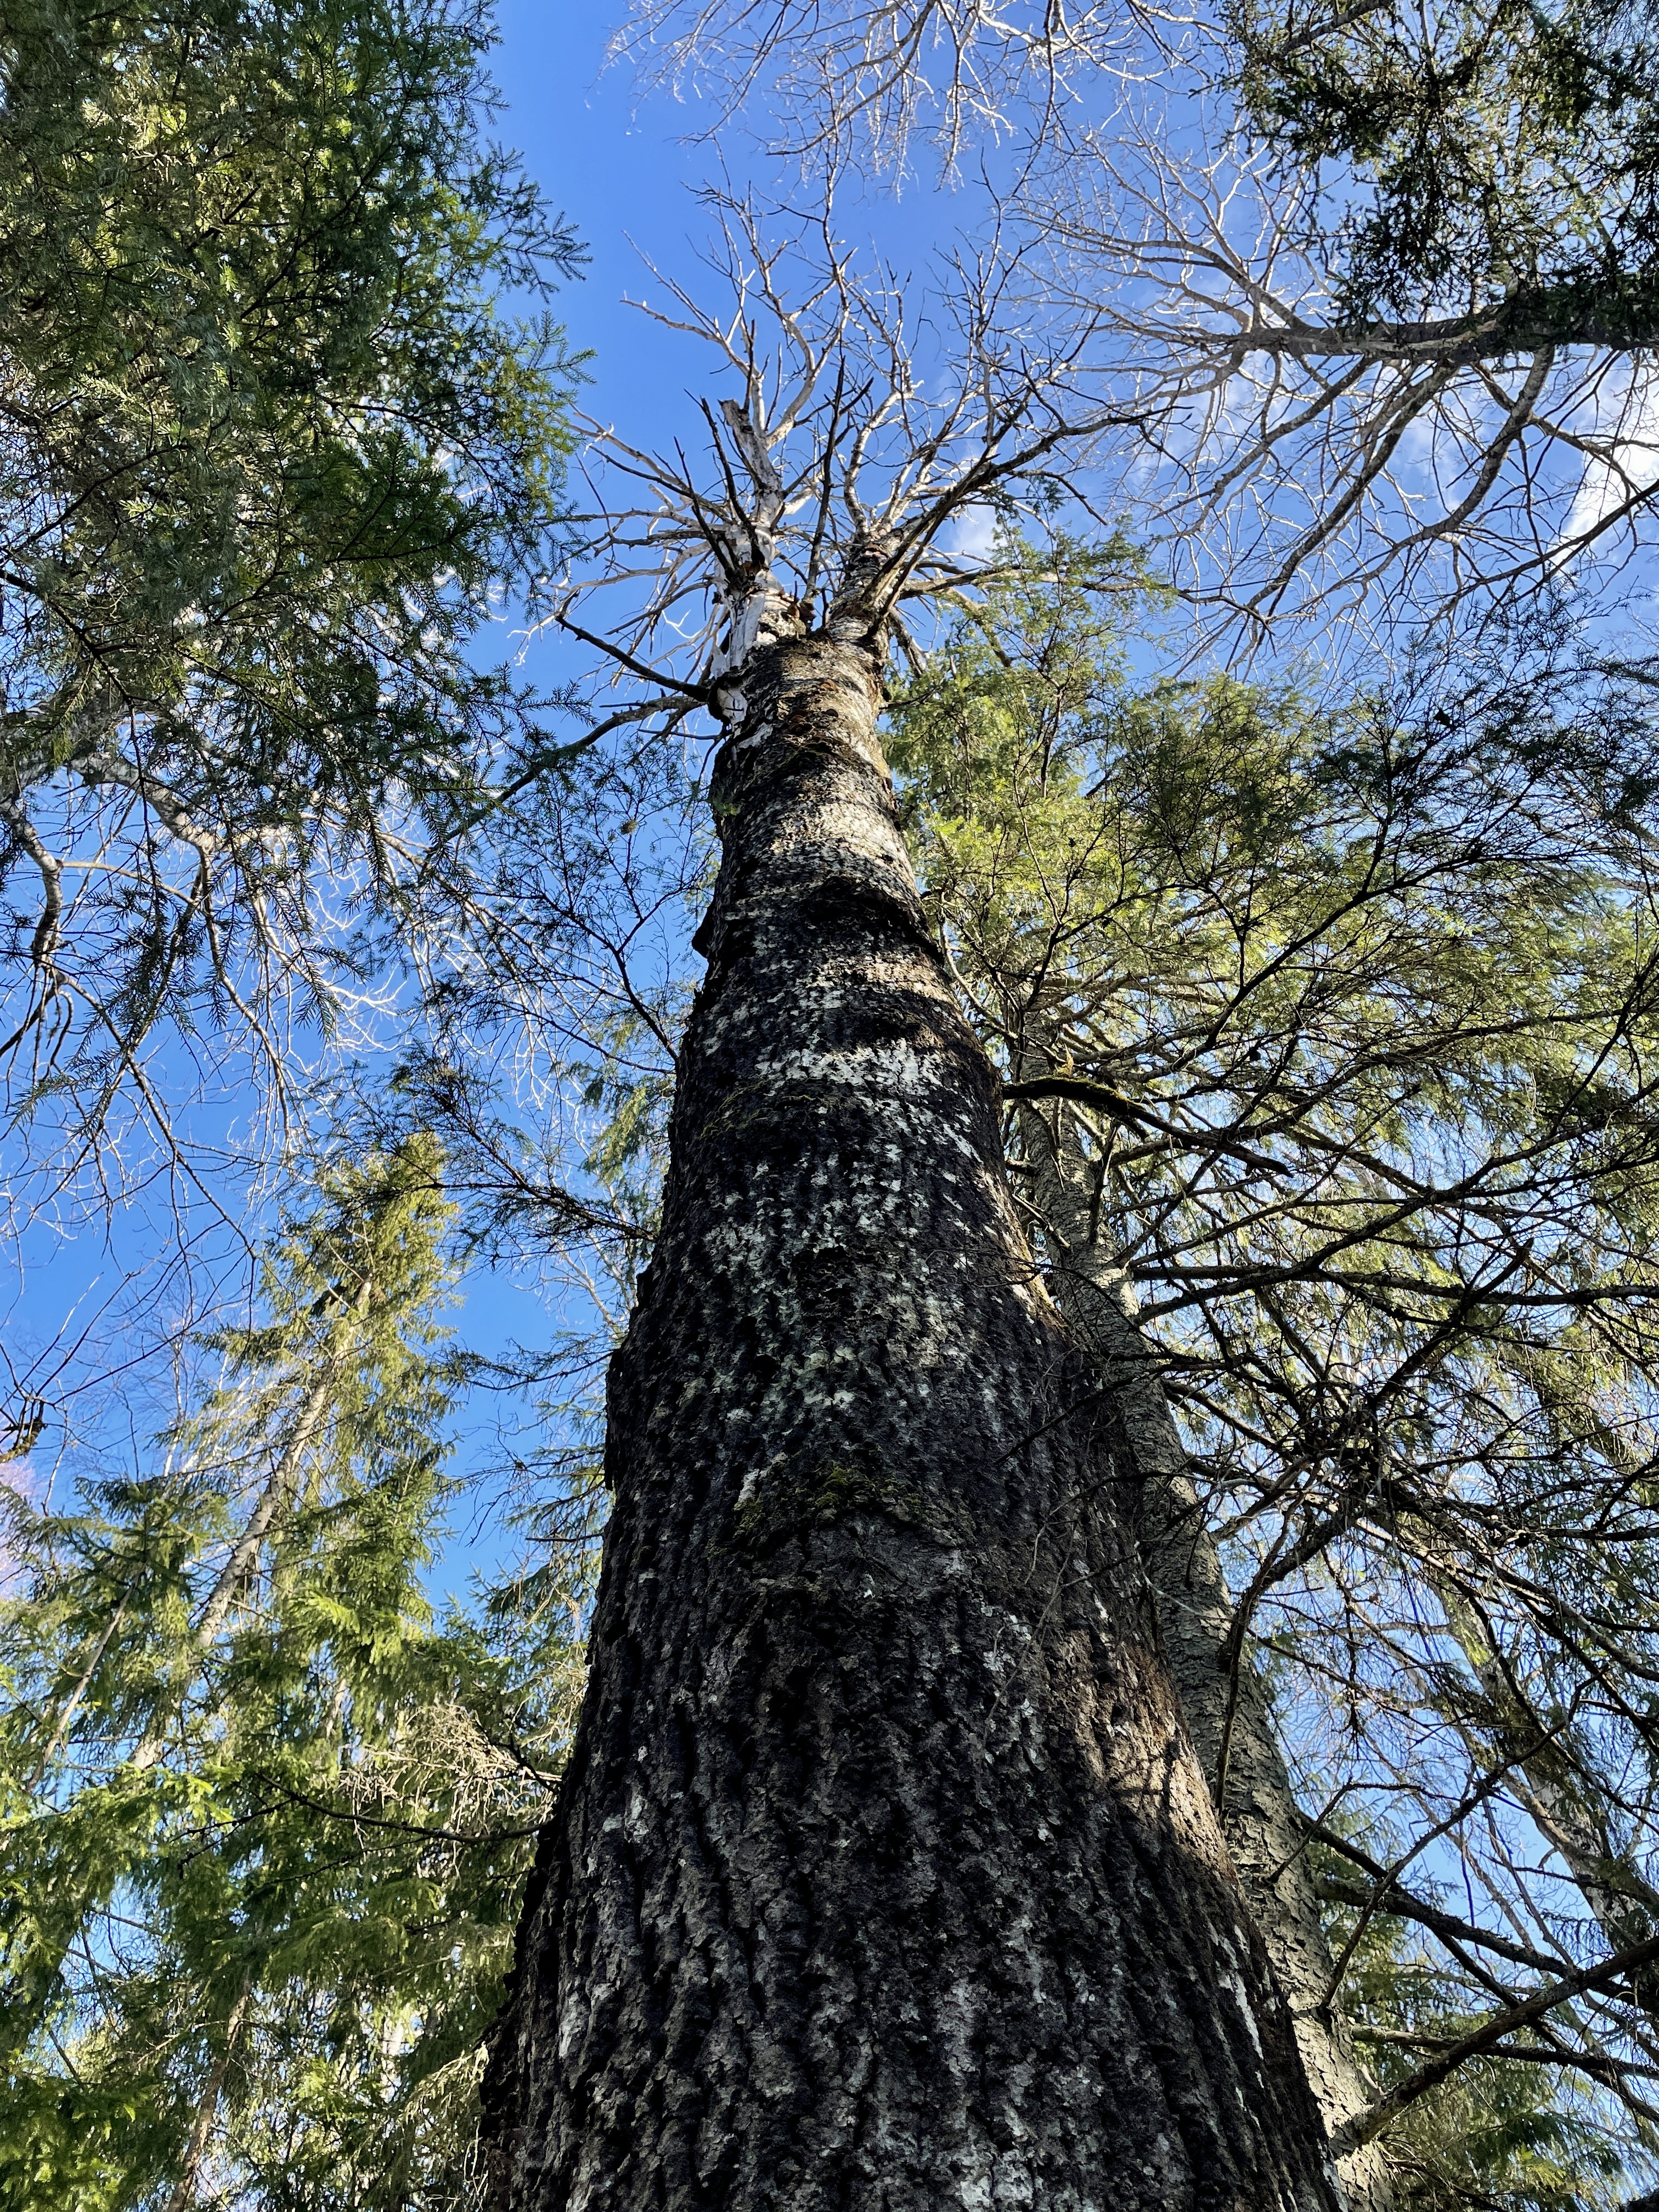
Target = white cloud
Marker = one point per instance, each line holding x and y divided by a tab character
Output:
1629	461
973	533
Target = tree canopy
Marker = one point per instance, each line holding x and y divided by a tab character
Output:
1506	161
284	417
268	1811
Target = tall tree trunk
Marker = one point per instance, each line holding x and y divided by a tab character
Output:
1260	1817
883	1875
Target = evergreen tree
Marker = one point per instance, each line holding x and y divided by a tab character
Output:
273	442
1505	161
1327	1039
266	1822
1500	2131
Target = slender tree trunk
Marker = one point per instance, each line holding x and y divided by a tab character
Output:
65	1720
277	1495
1260	1817
207	2109
883	1875
281	1488
1556	1790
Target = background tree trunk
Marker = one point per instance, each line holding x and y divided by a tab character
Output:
1260	1817
883	1873
1553	1782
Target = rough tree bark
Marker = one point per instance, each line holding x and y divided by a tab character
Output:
1260	1818
883	1875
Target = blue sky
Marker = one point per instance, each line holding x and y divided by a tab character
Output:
107	1277
624	168
618	171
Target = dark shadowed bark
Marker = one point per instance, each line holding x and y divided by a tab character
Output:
1225	1705
883	1875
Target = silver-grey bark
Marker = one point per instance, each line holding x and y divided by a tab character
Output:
883	1877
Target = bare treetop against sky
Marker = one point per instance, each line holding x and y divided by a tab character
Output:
1288	449
1302	443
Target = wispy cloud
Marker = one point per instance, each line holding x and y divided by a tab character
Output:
973	533
1627	430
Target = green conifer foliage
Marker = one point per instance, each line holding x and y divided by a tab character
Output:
272	444
1502	160
1499	2131
1346	1017
266	1821
1353	1004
